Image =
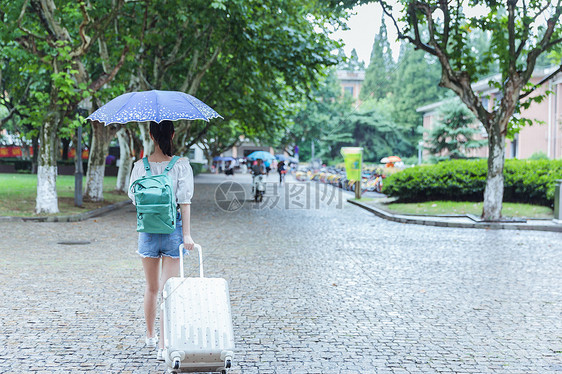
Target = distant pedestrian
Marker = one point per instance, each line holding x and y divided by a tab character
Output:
258	167
110	160
282	170
229	168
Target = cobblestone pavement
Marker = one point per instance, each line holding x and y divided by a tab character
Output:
328	289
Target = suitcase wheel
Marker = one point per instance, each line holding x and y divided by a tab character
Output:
227	365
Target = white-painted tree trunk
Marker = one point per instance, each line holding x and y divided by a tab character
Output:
101	137
493	193
147	143
47	200
126	160
94	182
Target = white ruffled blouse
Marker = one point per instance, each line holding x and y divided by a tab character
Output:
181	174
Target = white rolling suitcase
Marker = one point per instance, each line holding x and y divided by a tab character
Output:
198	334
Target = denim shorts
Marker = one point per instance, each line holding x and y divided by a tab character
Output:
158	245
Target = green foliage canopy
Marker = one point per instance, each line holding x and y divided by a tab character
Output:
454	132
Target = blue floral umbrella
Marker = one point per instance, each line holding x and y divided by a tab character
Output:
153	105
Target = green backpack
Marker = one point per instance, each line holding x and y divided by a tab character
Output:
155	201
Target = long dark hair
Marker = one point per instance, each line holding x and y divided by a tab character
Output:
162	133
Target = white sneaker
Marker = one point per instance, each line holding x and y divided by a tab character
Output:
159	355
151	342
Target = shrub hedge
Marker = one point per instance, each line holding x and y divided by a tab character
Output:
196	167
526	181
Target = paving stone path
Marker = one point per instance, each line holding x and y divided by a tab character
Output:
317	286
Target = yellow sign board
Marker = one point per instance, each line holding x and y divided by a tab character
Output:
353	157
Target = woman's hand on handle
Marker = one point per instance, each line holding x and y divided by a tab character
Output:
188	242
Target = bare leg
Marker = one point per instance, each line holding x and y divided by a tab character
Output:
151	268
170	268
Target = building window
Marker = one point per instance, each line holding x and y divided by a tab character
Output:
348	90
514	144
497	99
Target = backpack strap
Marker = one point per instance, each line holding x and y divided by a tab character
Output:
171	164
146	166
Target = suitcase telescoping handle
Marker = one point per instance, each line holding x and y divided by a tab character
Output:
198	247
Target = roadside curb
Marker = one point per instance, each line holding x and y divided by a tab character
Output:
70	218
441	221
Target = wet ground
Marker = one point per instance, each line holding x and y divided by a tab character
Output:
317	285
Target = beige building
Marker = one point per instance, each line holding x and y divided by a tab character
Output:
545	135
245	148
351	82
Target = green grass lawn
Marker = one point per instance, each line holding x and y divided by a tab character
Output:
364	199
464	207
19	192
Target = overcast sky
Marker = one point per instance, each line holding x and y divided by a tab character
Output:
363	27
366	21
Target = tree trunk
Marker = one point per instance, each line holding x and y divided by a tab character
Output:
47	201
208	157
65	148
101	136
493	194
147	144
126	159
35	156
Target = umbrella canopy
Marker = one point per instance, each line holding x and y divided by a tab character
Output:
281	157
385	160
153	105
219	158
266	156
